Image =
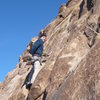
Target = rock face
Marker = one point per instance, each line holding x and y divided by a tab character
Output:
72	69
1	88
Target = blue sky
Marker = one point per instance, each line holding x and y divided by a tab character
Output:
20	20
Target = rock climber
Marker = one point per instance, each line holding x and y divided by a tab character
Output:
36	52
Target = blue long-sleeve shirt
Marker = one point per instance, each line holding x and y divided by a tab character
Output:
37	47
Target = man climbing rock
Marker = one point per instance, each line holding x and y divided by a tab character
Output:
36	52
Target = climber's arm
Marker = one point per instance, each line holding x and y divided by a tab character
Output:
35	46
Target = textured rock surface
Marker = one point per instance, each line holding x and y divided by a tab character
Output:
72	69
84	82
1	88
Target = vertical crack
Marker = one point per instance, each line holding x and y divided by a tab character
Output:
81	8
90	4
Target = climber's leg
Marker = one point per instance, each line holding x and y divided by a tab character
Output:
29	76
37	68
28	79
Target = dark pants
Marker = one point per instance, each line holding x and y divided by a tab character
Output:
29	76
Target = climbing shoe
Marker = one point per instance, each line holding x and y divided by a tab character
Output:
28	85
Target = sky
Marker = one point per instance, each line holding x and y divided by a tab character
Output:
20	21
